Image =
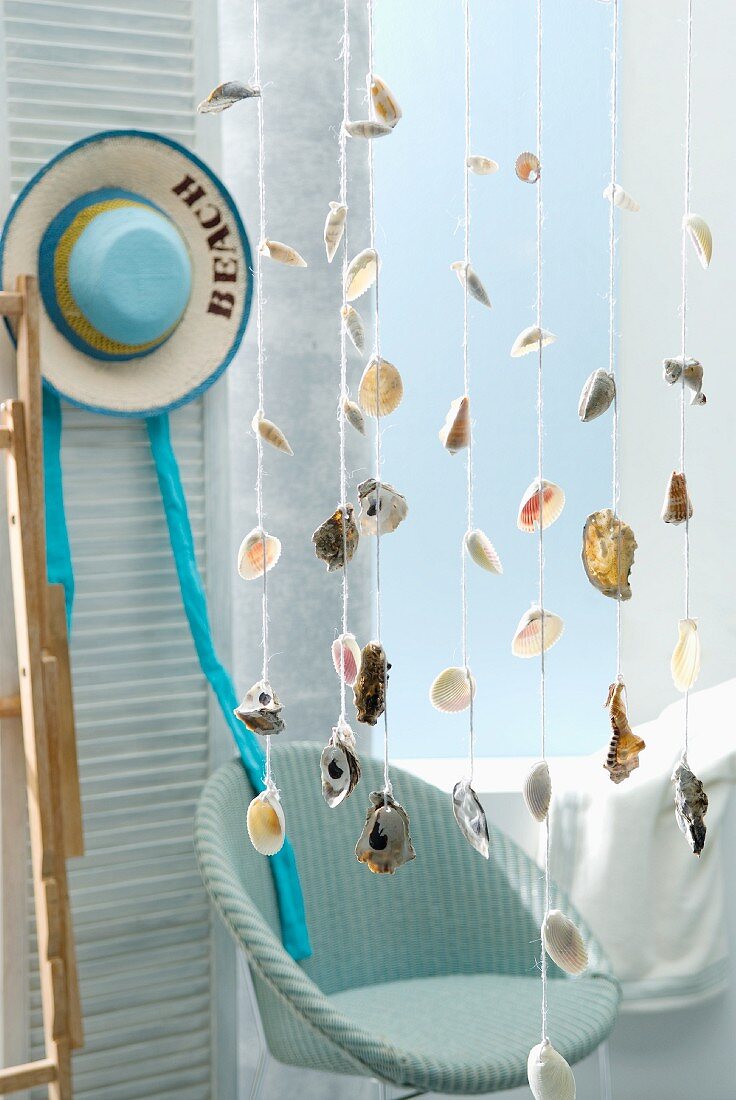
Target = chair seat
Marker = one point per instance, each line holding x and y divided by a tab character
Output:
472	1034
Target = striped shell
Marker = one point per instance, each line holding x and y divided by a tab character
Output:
271	433
282	253
452	690
266	824
563	942
677	505
483	552
354	416
252	561
538	790
361	273
699	233
549	502
346	653
383	101
466	274
621	198
550	1077
455	432
597	395
387	379
528	168
685	663
482	166
527	641
334	228
471	817
353	323
367	128
528	341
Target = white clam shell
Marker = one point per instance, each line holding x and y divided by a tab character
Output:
471	817
482	166
452	690
252	561
455	432
266	824
483	552
550	1077
563	942
354	327
346	649
367	128
354	416
361	273
620	198
538	790
390	388
528	341
271	433
550	502
699	233
685	663
466	274
334	228
527	641
282	253
597	395
383	102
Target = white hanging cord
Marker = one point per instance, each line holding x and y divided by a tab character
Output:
345	53
683	317
616	487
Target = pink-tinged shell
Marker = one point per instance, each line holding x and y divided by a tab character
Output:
550	503
455	432
452	690
528	168
527	641
252	562
483	552
345	648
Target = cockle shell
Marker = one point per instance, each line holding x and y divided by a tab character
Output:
266	824
455	432
527	641
354	326
260	710
685	663
692	377
677	505
624	746
597	395
483	552
620	198
528	168
370	687
563	942
361	273
471	817
383	101
466	274
699	233
385	843
354	416
258	553
225	95
346	656
452	690
691	806
528	341
330	542
334	228
608	554
482	166
386	377
282	253
367	128
339	766
382	510
549	503
538	790
271	433
550	1077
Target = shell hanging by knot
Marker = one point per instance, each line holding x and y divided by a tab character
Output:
624	746
691	806
385	843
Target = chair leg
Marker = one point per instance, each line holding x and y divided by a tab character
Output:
260	1071
382	1090
604	1067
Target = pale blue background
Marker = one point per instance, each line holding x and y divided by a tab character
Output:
420	179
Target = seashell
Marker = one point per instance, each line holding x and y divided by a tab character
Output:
685	663
271	433
455	432
384	377
453	690
549	503
527	641
367	128
482	166
346	658
677	505
266	823
383	101
563	942
385	843
528	341
482	551
258	553
550	1077
620	198
331	542
597	395
353	323
339	766
370	687
387	504
334	228
699	233
538	790
260	710
225	95
608	554
354	416
692	376
471	817
466	274
282	253
624	746
361	273
528	167
691	806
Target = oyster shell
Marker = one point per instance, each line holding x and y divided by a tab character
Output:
385	843
361	273
563	942
538	790
466	274
370	687
260	710
282	253
367	128
455	432
330	543
383	101
258	553
381	510
677	505
265	823
597	395
390	388
339	766
528	341
550	1077
225	95
482	166
691	806
482	551
699	233
608	554
353	323
271	433
453	690
692	376
625	746
549	502
685	663
619	197
527	641
334	228
354	416
471	817
527	167
346	658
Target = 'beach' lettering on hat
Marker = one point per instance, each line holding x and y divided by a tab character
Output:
209	216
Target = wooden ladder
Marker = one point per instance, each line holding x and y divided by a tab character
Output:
44	705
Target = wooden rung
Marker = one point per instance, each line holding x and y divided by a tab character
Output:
27	1076
9	706
11	304
6	439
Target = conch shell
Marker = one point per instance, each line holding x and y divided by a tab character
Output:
258	553
550	1077
528	341
692	376
390	388
563	942
620	198
691	806
453	690
467	276
370	687
597	395
354	415
260	710
608	554
482	551
699	233
346	658
367	128
225	95
271	433
354	327
625	746
385	843
331	543
334	228
361	273
381	510
471	817
677	505
455	432
548	502
339	766
265	823
528	168
282	253
685	663
537	790
482	166
527	641
383	101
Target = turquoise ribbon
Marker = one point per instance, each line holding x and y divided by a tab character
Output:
58	552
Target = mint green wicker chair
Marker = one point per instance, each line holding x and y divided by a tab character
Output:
427	979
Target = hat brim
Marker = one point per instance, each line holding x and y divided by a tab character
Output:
208	335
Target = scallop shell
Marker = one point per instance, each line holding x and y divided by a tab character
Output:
550	1077
354	416
339	766
346	658
266	824
691	806
258	553
380	512
271	433
369	692
692	376
390	388
528	341
538	790
334	228
383	101
483	552
482	166
685	663
608	554
527	641
225	95
331	542
455	432
699	233
466	274
597	395
677	505
260	710
471	817
353	323
621	198
361	273
385	843
528	168
452	690
549	502
624	747
282	253
563	942
367	128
